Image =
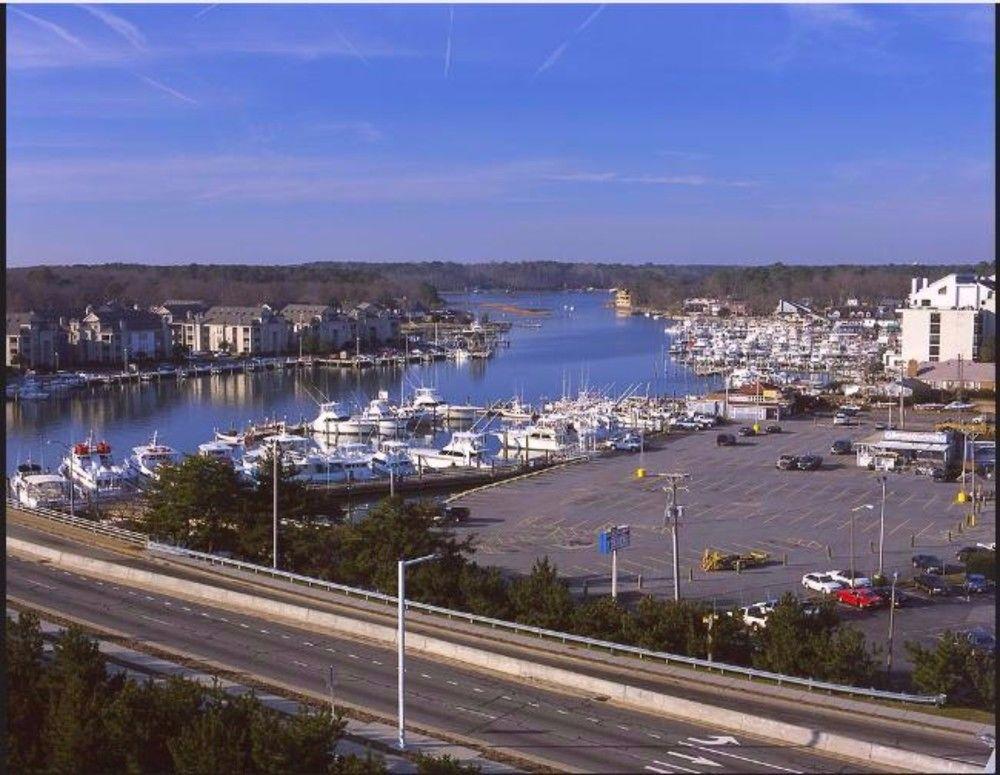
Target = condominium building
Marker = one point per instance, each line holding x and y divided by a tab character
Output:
113	333
34	341
319	327
951	318
257	330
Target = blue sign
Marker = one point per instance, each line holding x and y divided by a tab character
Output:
616	538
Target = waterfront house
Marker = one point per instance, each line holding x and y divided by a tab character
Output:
319	326
184	319
35	341
374	325
623	298
114	334
255	330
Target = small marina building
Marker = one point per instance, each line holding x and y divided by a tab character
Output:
750	403
892	450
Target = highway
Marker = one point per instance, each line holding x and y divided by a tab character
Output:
569	732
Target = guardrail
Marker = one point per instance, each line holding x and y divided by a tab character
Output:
129	536
564	637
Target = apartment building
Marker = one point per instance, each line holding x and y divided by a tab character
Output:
256	330
116	334
184	319
319	326
35	341
951	318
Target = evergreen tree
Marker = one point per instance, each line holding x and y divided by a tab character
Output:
26	697
542	599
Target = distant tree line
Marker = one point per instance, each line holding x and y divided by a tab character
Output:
67	289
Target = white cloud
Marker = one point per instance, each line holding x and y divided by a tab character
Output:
646	180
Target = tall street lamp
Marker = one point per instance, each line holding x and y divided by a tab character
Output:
892	607
274	476
881	525
869	507
401	636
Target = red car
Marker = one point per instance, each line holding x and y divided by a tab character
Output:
859	597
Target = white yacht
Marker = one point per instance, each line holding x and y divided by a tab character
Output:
426	404
384	416
91	467
537	440
145	459
35	489
219	450
394	457
354	460
466	449
335	419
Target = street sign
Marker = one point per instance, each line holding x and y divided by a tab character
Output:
616	538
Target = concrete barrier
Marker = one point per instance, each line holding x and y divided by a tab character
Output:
637	698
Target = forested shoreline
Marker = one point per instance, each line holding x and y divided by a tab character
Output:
68	289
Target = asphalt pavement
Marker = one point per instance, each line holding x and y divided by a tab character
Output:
572	732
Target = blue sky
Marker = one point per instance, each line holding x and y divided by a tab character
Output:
676	134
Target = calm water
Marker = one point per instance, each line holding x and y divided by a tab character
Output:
580	343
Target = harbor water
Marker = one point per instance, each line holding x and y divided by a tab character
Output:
558	344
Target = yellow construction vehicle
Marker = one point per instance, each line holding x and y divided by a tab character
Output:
981	430
713	559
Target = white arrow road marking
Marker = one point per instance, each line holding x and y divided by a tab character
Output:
673	766
716	752
694	759
716	740
654	769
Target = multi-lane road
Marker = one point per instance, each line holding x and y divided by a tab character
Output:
571	732
563	729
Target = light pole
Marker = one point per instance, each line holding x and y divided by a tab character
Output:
869	507
881	526
401	567
892	607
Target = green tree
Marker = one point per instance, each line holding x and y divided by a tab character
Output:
200	502
541	598
674	627
302	743
26	697
602	618
793	641
953	668
847	658
352	764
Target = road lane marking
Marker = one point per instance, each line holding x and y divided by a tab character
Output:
307	643
505	697
149	597
40	584
716	751
300	664
623	728
332	651
561	712
167	602
533	704
651	768
653	735
694	759
153	619
376	662
265	632
424	675
594	720
353	656
682	769
476	689
453	683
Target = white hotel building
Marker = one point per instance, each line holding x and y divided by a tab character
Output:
948	319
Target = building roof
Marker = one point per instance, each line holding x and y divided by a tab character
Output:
180	307
235	316
294	311
17	320
947	371
131	318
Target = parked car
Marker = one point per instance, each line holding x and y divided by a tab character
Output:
843	419
745	430
975	583
881	426
928	563
845	577
991	546
859	597
963	554
452	514
842	447
773	428
980	638
939	474
627	443
900	600
809	462
755	616
687	424
725	440
931	584
787	462
820	582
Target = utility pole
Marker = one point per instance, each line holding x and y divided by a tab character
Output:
274	549
671	513
869	507
902	418
401	567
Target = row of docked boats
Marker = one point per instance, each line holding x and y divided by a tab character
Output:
378	442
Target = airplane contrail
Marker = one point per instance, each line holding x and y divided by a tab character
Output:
167	89
447	48
52	27
559	50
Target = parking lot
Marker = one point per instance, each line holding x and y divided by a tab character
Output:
735	500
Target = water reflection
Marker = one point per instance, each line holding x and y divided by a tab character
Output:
586	346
